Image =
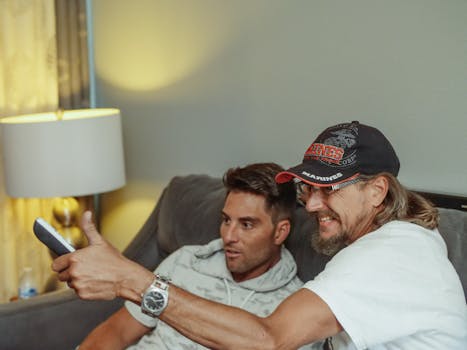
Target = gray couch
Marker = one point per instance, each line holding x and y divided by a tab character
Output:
187	213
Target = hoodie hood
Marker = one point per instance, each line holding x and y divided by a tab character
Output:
210	260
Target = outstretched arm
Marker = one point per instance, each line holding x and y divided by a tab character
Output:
302	318
99	271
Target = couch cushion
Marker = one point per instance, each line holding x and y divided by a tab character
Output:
453	228
190	212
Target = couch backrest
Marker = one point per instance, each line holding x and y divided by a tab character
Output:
188	212
453	228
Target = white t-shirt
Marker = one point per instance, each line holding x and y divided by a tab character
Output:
395	288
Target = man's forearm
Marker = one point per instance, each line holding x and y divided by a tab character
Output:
199	320
300	319
103	338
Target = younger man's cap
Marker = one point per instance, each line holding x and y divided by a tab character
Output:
341	153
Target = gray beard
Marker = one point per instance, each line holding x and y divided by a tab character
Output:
330	246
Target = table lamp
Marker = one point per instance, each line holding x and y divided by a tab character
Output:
65	154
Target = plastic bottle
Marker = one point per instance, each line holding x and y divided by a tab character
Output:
27	284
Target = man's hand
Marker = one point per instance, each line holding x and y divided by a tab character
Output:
100	271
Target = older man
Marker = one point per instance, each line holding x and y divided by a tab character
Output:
389	285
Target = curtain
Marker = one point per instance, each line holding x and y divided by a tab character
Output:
72	52
43	67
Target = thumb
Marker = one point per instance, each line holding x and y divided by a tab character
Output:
89	228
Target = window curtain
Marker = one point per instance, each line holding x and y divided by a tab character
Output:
43	67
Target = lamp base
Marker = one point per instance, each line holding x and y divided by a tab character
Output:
66	213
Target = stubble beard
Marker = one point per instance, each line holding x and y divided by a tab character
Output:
329	246
332	245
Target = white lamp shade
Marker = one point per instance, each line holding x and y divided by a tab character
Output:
79	154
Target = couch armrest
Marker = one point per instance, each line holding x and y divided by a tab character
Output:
57	320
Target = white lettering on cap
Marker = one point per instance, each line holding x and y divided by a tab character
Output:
322	178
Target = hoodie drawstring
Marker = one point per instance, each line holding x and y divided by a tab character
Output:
229	295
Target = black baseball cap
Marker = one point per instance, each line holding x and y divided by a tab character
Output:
341	153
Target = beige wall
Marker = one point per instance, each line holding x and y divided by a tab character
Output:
208	84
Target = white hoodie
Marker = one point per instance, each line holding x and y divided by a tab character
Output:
201	270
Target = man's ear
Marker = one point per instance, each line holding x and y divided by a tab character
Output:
379	187
282	231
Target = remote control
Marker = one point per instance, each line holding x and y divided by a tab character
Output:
51	238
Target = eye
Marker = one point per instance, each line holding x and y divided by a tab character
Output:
303	188
328	190
225	220
247	225
303	193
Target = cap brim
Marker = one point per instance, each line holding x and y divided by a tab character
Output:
284	176
315	174
294	172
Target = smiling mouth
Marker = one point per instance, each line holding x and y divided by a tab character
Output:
325	218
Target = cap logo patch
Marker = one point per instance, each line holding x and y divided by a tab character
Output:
325	153
336	147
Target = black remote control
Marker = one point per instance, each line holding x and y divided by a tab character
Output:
51	238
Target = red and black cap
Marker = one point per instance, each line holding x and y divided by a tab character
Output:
342	152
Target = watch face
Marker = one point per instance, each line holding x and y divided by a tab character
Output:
154	300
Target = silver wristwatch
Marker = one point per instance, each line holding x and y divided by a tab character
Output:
156	297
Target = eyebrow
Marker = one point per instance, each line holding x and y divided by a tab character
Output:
252	219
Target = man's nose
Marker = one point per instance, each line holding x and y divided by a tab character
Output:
315	202
230	233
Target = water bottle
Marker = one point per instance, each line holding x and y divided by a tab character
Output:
27	284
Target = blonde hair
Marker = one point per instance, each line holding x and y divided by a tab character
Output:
402	204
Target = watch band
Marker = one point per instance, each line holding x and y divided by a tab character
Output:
161	282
